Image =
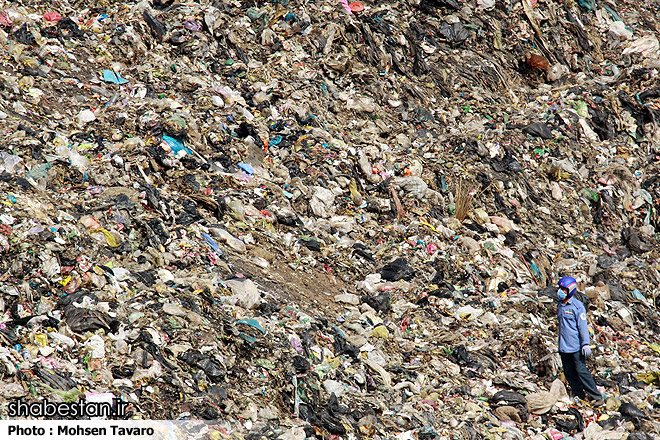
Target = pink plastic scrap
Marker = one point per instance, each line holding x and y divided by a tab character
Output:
344	3
4	18
52	16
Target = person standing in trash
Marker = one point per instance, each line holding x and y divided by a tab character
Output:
574	342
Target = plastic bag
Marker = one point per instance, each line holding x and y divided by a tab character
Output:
570	421
245	294
646	46
631	411
538	129
619	29
380	303
9	161
212	368
397	270
456	33
541	403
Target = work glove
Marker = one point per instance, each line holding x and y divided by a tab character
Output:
586	351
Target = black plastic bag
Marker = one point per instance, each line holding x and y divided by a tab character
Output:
429	6
77	297
510	238
456	33
380	303
217	393
244	130
190	214
627	382
154	351
332	424
464	358
68	28
23	35
311	243
147	277
334	407
570	421
442	293
634	241
513	399
602	124
363	251
123	371
397	270
211	367
8	335
631	411
507	398
538	129
155	25
301	365
84	320
604	261
54	379
307	413
267	308
342	347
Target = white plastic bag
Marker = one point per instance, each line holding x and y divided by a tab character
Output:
541	403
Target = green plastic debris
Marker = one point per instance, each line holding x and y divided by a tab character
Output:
73	395
587	5
582	109
252	323
265	363
590	194
651	378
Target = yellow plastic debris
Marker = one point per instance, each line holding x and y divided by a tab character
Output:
380	332
41	339
109	238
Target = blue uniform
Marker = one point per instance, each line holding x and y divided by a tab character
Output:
573	329
573	335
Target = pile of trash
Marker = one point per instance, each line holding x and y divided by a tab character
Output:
331	220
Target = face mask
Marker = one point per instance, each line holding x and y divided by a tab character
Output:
561	294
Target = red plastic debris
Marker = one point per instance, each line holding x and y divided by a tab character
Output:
52	16
356	7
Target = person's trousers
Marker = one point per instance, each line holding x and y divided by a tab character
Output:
578	376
